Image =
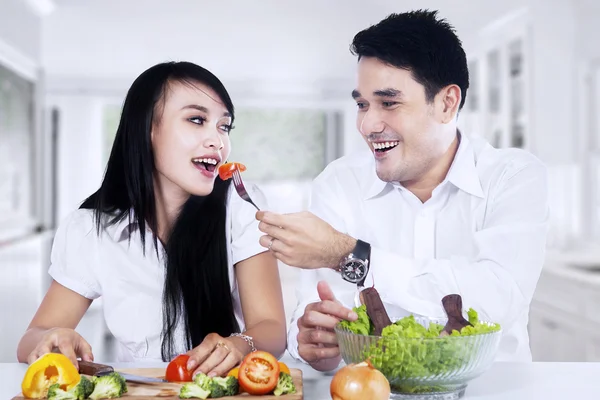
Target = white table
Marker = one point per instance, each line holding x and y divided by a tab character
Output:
504	381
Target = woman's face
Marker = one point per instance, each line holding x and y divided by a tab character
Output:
190	138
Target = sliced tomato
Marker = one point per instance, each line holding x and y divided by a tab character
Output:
258	373
177	369
226	170
282	368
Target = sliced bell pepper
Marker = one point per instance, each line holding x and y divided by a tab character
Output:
47	370
226	170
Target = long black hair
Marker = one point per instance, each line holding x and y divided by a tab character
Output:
197	288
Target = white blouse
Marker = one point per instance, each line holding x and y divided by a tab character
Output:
130	283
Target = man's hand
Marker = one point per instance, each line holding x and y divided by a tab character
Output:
317	342
303	240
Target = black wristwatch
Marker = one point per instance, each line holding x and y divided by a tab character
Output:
355	266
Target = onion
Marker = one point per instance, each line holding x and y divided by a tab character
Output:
359	382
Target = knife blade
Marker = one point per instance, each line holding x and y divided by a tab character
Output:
95	369
141	379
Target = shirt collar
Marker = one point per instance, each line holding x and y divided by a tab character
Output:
462	173
374	186
123	229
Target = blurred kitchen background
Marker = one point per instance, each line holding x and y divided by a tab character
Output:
65	66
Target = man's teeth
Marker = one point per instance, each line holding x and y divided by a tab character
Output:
385	145
205	160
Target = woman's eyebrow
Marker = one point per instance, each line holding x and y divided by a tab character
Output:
203	109
196	107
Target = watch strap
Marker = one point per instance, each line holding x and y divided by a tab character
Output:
362	250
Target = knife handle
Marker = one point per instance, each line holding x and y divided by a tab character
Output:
94	369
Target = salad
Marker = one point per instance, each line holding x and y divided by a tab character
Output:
408	353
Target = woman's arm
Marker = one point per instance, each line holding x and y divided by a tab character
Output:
262	304
52	327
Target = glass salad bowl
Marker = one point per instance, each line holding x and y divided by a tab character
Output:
417	362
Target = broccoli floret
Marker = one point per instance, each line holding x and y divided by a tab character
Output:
193	391
81	391
228	386
215	390
84	388
203	381
285	385
108	386
217	386
56	393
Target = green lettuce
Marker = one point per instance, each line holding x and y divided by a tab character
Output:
362	326
423	353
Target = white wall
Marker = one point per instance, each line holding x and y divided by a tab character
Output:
80	149
588	25
20	28
269	41
554	80
266	41
20	52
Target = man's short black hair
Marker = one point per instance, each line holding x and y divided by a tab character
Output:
421	43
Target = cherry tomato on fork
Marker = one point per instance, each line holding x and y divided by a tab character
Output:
226	170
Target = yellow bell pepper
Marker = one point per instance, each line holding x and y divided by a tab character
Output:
47	370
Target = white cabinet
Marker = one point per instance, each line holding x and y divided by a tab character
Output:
497	106
553	335
593	348
564	319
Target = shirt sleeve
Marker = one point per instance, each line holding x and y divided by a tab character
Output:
500	281
72	257
245	234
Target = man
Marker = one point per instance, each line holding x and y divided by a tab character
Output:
425	212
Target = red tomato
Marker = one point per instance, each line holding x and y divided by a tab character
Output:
258	373
177	369
226	170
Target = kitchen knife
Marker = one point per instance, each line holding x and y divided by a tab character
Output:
95	369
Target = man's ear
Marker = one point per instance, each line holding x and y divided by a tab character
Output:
447	102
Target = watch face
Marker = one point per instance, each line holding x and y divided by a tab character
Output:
354	270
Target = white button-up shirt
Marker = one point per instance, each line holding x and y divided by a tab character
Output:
482	235
131	283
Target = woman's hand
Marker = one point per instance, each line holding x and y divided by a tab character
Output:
215	356
66	341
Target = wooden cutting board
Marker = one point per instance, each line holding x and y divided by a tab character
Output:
146	391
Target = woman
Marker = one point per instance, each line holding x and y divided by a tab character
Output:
171	248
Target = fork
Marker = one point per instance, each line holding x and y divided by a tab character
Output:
241	189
